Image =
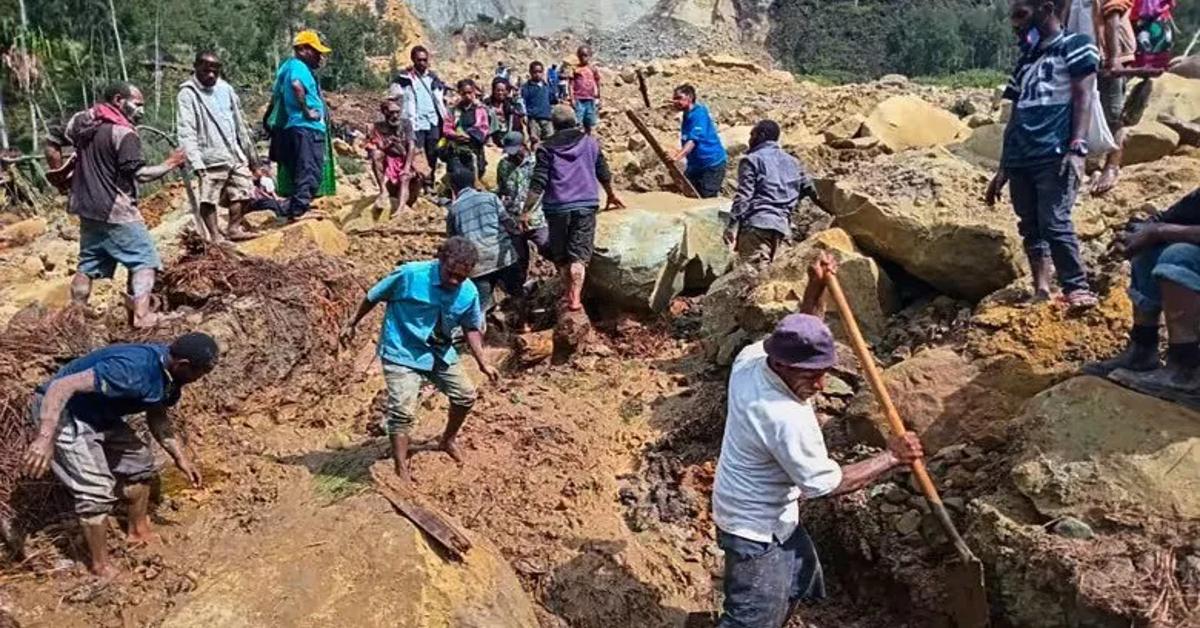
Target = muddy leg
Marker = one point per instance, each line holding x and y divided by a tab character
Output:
237	227
208	214
95	533
400	456
137	494
81	288
577	273
141	284
454	423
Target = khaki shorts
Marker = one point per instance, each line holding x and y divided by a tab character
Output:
404	391
222	185
757	245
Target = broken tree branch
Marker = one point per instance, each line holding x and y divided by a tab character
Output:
685	186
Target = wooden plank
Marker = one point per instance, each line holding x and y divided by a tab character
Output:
427	518
684	185
643	89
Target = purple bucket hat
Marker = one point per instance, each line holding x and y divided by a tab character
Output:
802	341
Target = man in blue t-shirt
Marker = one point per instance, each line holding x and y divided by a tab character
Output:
701	145
83	436
298	127
1045	144
427	302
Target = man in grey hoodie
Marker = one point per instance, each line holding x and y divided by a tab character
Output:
567	178
220	149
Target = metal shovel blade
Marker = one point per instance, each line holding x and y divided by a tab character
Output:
966	593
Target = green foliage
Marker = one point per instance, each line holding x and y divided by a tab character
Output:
860	39
77	54
984	78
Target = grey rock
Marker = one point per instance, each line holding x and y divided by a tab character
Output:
909	522
1073	528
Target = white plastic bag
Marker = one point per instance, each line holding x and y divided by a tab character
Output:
1099	138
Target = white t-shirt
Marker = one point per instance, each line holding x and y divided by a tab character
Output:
772	455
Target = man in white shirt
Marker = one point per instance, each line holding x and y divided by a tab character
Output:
772	455
424	105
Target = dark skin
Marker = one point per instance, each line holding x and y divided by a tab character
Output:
37	458
1027	15
312	59
452	276
805	383
420	61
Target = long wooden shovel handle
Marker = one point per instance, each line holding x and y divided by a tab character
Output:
889	409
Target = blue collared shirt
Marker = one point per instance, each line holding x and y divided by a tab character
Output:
128	378
422	315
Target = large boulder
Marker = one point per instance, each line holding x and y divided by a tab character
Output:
1123	470
1091	448
660	245
903	122
844	129
736	141
395	578
1149	141
298	239
925	212
941	396
986	143
745	304
1174	95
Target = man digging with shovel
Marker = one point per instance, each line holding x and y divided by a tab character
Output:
773	455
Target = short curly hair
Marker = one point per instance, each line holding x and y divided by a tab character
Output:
458	251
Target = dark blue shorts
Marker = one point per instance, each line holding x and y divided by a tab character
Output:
764	582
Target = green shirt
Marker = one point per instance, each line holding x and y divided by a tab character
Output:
514	189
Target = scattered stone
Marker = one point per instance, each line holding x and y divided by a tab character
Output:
858	143
843	129
977	120
298	239
903	122
909	522
893	80
22	232
955	504
731	62
1073	528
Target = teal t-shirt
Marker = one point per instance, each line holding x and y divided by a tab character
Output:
295	70
421	315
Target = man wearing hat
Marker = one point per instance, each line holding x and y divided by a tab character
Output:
514	173
772	456
297	124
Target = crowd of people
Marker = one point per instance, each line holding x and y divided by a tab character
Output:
546	198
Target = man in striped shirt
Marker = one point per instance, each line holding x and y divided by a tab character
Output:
1045	144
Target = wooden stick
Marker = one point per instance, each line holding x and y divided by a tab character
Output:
431	522
684	185
893	417
642	88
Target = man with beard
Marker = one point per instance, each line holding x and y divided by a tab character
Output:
108	167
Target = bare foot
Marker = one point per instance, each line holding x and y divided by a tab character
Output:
238	234
437	444
1106	181
141	539
404	475
105	571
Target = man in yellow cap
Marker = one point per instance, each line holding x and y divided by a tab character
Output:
297	125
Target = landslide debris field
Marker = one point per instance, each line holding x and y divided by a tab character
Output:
587	479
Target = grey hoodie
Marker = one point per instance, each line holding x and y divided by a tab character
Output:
211	127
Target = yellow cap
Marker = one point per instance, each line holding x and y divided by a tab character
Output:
310	38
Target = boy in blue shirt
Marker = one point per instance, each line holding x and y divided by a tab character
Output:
706	158
82	434
1045	144
426	303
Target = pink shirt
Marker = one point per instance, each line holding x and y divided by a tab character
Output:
585	83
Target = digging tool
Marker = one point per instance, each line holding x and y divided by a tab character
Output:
684	185
642	88
968	597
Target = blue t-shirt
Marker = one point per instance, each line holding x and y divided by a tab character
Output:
698	127
1039	130
538	98
421	315
295	70
129	379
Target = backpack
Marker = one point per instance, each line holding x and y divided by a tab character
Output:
1152	21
